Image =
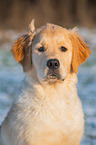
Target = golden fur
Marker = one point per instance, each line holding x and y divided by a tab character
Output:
47	111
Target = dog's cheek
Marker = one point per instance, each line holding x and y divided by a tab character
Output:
65	64
42	71
40	65
63	73
35	60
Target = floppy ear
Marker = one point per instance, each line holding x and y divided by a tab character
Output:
22	51
80	51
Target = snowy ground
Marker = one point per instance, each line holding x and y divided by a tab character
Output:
11	76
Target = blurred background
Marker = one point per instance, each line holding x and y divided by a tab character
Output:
15	16
18	13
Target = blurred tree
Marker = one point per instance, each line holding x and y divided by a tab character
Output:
18	13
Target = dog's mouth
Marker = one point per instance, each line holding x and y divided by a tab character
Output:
53	77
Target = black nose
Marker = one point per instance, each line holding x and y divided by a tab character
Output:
53	64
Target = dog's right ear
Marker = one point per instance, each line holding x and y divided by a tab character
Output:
22	49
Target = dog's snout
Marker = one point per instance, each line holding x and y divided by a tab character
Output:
53	63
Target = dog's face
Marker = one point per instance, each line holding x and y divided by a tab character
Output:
52	51
52	54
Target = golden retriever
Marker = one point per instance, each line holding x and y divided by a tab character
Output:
47	110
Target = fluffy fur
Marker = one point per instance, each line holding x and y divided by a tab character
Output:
47	110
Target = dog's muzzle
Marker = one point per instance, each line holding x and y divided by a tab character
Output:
53	70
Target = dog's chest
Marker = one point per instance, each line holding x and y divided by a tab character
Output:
50	108
51	118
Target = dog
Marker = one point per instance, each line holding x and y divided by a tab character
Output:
47	110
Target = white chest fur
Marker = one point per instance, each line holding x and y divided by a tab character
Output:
46	115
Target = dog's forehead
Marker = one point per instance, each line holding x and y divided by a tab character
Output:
52	31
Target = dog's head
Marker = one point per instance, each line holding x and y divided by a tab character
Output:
52	51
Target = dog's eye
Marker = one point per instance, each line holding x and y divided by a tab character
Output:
64	49
41	49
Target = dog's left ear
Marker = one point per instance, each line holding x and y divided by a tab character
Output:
80	50
22	49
